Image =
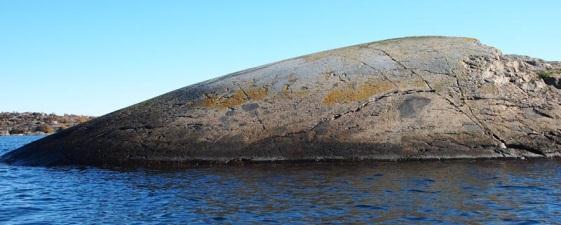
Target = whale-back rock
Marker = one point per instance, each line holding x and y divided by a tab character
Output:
408	98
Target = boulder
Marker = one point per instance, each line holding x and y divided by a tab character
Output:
401	99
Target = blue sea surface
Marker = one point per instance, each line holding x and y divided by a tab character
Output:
429	192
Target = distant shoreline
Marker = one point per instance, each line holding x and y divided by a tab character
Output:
36	123
24	135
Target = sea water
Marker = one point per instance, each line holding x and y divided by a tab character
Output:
432	192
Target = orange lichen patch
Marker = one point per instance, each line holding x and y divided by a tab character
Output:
286	88
237	98
362	92
258	93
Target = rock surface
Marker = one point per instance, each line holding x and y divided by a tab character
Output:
407	98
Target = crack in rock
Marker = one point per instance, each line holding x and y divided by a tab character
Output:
405	67
474	118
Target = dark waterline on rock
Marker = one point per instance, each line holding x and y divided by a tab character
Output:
483	191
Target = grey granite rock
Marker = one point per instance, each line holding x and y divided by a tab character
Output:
407	98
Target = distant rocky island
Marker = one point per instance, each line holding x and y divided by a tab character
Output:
35	123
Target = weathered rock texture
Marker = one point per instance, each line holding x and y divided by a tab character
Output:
409	98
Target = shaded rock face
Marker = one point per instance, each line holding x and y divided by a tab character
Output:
555	81
409	98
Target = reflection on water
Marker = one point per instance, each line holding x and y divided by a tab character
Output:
394	193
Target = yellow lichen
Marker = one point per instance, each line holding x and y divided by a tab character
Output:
237	98
360	93
257	93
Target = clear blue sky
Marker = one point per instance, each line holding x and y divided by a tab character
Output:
94	57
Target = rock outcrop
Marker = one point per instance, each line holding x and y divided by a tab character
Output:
408	98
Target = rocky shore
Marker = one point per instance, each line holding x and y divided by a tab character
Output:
34	123
401	99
